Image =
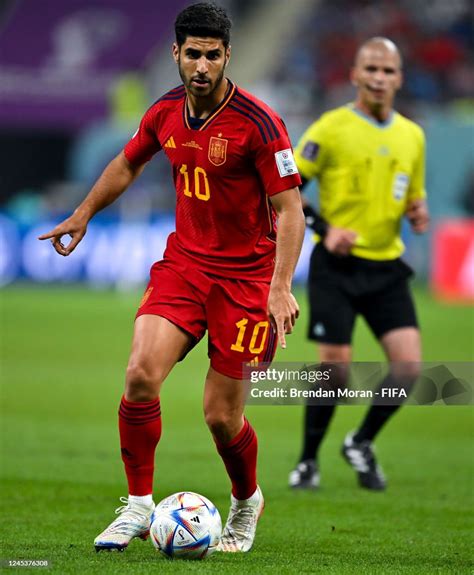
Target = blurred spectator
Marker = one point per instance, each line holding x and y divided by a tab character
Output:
435	39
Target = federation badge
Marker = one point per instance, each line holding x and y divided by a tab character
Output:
217	151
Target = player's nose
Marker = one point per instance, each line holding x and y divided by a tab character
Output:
202	66
379	76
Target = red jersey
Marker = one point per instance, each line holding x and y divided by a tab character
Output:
224	171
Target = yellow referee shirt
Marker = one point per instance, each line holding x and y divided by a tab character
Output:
367	172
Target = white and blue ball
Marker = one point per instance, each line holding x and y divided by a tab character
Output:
186	525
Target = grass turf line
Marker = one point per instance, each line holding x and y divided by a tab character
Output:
64	352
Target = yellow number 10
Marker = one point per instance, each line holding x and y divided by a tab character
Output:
253	346
199	176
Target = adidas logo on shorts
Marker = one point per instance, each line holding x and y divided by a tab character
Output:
319	329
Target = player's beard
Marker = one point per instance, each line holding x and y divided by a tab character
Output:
211	87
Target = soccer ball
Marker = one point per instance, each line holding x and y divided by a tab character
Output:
185	525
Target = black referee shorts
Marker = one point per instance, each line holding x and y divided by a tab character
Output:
342	287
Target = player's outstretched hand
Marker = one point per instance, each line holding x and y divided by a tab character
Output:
418	216
339	241
74	226
283	311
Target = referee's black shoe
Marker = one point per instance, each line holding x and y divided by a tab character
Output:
305	475
361	458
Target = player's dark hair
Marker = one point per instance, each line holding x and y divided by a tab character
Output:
203	20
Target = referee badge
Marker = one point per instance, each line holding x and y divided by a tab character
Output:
217	153
400	186
310	151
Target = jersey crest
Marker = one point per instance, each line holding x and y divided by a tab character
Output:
217	151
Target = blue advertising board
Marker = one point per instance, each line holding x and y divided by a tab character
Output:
114	253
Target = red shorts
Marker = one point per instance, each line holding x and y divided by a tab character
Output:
233	311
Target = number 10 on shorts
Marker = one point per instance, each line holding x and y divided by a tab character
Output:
257	340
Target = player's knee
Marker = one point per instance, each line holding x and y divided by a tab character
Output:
338	354
222	425
413	370
142	383
408	371
404	376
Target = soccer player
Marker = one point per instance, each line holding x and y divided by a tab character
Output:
225	269
369	162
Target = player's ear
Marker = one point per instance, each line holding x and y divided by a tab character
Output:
400	80
227	55
175	51
353	77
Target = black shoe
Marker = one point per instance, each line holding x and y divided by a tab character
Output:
305	475
362	459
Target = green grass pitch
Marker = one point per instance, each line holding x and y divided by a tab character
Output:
63	357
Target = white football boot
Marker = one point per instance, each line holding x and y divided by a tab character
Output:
133	521
239	530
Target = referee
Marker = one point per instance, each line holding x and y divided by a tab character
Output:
369	163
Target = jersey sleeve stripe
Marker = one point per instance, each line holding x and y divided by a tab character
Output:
179	89
243	100
251	113
174	94
168	98
261	120
252	119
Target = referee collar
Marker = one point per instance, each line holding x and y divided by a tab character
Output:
385	124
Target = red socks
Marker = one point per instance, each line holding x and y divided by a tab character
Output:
240	460
140	432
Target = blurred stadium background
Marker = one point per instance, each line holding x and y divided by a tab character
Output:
75	78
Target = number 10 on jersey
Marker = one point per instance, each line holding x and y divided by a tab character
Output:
257	340
200	183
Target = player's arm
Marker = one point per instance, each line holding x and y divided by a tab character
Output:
313	219
338	241
418	215
282	306
113	181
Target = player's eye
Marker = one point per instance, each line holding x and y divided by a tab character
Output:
213	55
389	70
193	54
371	68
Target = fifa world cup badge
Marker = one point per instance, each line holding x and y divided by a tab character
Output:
217	151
